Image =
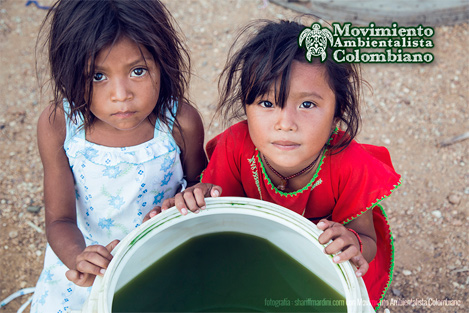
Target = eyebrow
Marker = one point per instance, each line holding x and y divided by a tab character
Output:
143	59
304	94
309	94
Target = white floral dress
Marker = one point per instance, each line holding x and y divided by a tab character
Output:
115	188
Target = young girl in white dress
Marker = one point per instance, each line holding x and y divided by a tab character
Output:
119	137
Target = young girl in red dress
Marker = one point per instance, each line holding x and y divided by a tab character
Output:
296	148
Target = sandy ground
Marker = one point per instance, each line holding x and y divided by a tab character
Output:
412	109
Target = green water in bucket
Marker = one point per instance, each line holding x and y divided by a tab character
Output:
227	272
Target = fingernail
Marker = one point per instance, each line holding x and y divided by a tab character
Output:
216	193
336	259
359	274
196	211
320	224
203	208
102	271
152	214
183	211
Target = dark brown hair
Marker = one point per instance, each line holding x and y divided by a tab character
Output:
266	57
80	29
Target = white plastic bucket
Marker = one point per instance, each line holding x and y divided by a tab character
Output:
290	232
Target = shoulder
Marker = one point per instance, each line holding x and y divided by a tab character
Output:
233	139
360	156
189	122
237	132
187	114
51	125
241	127
51	134
351	153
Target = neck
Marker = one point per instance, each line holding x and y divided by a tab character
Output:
285	180
107	136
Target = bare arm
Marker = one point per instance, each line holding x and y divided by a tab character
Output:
364	226
62	231
190	138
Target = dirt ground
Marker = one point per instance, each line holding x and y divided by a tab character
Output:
412	109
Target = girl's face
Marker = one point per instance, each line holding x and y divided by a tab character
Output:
126	85
291	138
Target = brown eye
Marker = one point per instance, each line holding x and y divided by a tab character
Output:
308	105
266	104
138	72
97	77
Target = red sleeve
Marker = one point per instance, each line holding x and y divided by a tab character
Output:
365	176
225	154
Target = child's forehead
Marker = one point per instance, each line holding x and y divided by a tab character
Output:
123	49
301	69
313	69
306	80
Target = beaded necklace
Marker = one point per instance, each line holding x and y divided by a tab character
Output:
284	180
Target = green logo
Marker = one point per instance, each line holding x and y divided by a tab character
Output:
315	40
368	44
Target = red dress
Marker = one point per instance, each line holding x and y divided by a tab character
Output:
344	186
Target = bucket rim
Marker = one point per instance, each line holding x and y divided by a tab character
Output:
351	284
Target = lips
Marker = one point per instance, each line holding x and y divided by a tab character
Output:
124	114
285	145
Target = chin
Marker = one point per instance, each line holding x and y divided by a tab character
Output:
286	163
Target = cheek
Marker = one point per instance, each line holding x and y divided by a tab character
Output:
256	132
156	91
256	116
156	81
153	90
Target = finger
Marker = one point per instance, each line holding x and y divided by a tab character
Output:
154	212
94	259
189	199
180	203
346	254
112	245
149	215
90	251
215	191
360	262
324	224
199	198
80	279
73	276
94	266
331	233
338	244
168	203
87	280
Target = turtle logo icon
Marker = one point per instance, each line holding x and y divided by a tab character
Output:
315	41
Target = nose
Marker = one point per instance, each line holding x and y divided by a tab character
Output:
286	119
120	90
